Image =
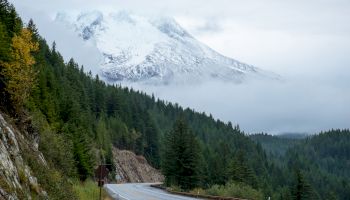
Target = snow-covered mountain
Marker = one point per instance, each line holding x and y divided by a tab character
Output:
153	50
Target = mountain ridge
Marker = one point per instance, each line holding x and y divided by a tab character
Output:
154	50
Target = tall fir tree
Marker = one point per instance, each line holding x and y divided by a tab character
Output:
302	190
181	158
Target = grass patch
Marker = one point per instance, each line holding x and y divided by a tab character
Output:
89	190
198	191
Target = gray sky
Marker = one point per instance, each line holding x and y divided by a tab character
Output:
307	42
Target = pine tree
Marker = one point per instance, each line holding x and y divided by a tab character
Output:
33	29
181	158
4	49
4	43
10	18
151	150
240	171
83	157
302	189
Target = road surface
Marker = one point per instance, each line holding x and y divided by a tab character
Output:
140	191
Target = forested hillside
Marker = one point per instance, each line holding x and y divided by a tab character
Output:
322	161
325	161
79	119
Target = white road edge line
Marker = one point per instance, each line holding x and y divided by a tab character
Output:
148	188
119	195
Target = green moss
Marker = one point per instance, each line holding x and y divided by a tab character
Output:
50	179
5	186
22	176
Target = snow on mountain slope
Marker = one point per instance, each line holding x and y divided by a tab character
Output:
153	50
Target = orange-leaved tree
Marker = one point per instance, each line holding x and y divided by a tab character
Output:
18	72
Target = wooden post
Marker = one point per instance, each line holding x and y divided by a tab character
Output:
100	182
101	174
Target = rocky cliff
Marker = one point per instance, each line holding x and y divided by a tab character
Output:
16	177
132	168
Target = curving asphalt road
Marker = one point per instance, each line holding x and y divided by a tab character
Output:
140	191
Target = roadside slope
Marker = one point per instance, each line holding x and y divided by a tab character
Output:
131	168
17	180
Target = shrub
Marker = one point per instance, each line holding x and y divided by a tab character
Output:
235	190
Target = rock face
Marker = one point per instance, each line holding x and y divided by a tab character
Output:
16	179
134	169
155	50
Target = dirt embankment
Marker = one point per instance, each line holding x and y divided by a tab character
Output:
132	168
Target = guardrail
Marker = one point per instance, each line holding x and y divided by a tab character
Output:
159	186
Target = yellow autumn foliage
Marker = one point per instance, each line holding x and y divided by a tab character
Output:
18	72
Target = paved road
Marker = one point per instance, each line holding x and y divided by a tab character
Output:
140	191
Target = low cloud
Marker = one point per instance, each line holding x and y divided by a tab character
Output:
265	106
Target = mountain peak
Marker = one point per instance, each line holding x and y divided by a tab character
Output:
153	50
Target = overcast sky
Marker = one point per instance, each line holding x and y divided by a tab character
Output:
307	42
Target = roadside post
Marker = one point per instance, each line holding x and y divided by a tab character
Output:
101	174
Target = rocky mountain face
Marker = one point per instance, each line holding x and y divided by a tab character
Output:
16	177
131	168
154	50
